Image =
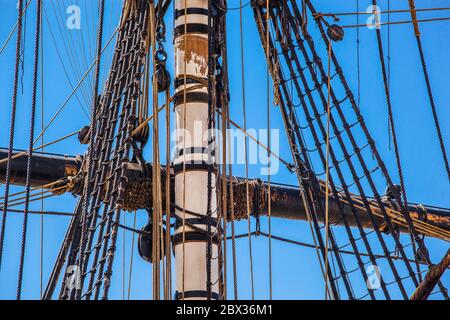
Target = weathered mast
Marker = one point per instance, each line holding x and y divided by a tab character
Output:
191	162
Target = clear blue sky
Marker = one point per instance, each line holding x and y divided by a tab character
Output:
296	270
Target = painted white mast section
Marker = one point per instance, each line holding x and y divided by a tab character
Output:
191	180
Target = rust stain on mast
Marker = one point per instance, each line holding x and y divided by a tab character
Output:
195	50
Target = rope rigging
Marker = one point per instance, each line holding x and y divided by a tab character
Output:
222	97
99	269
327	169
388	11
246	147
428	85
386	83
338	133
366	174
269	163
90	156
302	173
67	45
73	92
11	33
66	72
312	246
422	251
183	272
397	22
42	226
